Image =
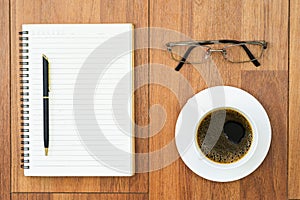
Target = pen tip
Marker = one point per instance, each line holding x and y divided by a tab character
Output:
46	151
44	56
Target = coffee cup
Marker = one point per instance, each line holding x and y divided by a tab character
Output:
225	137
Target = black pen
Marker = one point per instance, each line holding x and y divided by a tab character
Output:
46	90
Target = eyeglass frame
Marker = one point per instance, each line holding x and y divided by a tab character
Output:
194	44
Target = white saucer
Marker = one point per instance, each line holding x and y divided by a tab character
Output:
219	97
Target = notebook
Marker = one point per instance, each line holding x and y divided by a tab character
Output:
90	99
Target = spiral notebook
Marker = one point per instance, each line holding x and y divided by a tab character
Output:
90	99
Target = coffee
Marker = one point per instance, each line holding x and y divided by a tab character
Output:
224	135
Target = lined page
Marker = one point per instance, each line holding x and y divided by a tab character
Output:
90	100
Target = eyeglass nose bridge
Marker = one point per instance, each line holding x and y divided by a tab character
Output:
216	50
209	51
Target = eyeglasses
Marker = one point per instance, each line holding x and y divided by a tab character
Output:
195	52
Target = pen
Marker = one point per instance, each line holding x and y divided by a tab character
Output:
46	90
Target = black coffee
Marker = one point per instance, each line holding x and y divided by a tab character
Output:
224	135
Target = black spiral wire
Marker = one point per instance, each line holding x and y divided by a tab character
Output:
24	82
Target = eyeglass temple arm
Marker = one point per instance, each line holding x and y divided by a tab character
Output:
250	55
182	61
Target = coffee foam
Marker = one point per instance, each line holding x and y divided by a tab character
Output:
223	151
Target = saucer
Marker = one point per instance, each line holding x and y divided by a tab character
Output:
201	104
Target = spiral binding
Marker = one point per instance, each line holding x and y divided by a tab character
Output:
24	80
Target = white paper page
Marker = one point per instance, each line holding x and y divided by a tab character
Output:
90	121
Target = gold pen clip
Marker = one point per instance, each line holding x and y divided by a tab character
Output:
44	56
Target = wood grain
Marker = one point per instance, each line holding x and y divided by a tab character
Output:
98	196
4	101
78	11
57	196
207	20
267	20
30	196
294	102
270	179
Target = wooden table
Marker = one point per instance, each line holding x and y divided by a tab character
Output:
275	84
